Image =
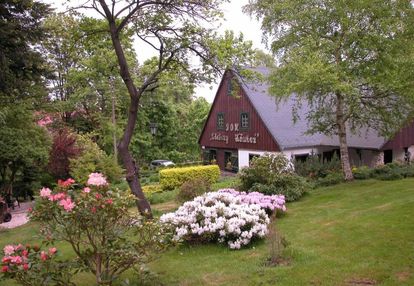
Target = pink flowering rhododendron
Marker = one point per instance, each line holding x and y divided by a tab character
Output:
8	249
97	179
67	204
57	197
66	183
86	190
45	192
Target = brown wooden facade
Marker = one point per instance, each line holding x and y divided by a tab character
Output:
403	139
231	136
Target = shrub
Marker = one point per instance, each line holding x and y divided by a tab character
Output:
191	189
330	179
174	178
218	216
291	186
33	266
273	174
95	221
268	203
263	170
93	159
151	189
362	173
316	167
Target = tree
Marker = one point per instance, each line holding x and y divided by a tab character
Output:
173	30
21	64
23	146
352	62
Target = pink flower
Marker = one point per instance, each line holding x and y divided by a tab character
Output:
16	260
109	201
66	183
5	259
97	179
43	256
8	249
52	250
45	192
98	196
86	190
93	209
57	197
25	253
5	269
26	267
67	204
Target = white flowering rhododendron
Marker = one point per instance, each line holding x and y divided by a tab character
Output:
223	216
269	203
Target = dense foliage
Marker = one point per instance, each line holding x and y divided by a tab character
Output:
193	188
273	174
350	63
24	149
176	177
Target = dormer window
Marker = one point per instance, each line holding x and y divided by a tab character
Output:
244	120
220	121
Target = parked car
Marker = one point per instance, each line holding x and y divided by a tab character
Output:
5	215
161	163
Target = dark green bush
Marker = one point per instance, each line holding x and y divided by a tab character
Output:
330	179
193	188
362	173
273	174
316	167
263	170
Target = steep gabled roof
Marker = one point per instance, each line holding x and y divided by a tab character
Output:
278	119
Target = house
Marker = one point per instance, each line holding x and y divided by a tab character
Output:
238	128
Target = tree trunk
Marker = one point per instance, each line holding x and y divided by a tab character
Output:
343	145
132	170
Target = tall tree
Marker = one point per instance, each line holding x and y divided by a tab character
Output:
174	30
352	61
22	66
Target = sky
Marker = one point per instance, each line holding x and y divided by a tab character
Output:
235	20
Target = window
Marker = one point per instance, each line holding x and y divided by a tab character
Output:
229	86
220	121
244	120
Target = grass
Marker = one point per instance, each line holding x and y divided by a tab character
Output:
361	233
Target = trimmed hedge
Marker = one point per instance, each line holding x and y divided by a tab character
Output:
176	177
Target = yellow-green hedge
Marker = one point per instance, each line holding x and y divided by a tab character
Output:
150	189
174	178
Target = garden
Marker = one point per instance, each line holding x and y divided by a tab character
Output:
268	225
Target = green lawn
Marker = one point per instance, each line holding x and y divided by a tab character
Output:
360	233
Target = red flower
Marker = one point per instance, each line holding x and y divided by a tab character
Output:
93	209
43	256
98	196
25	253
52	250
26	267
109	201
5	269
6	259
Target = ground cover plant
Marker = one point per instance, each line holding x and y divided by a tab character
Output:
323	230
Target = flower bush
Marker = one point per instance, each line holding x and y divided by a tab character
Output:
269	203
33	266
107	238
222	216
